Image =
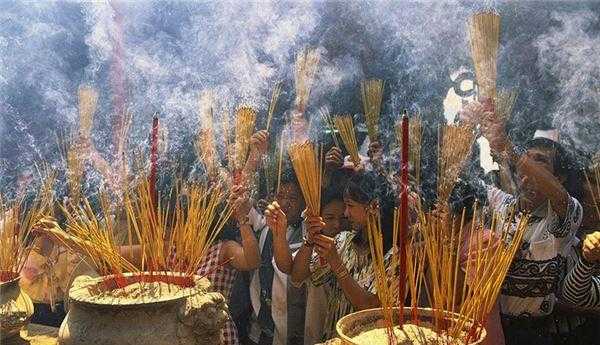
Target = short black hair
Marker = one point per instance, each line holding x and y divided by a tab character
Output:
564	165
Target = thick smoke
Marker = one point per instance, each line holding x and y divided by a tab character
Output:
569	52
157	56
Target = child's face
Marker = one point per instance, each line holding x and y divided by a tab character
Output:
333	216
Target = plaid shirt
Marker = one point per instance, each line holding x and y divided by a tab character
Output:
221	278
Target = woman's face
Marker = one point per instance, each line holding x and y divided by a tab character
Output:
356	213
333	216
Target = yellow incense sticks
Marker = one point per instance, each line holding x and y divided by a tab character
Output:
345	127
244	127
307	165
372	94
484	33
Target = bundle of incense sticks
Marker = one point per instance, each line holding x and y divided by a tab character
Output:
273	104
93	236
592	177
154	158
307	63
75	170
384	292
505	101
205	140
326	117
199	219
415	130
484	33
372	94
403	211
455	144
17	219
88	98
307	166
244	127
345	127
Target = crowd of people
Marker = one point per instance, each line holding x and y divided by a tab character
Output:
289	276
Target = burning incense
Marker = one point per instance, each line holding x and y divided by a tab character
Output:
374	232
403	212
345	127
415	130
205	140
154	158
273	104
594	185
484	33
372	94
279	164
75	169
307	165
307	63
326	116
88	99
505	101
244	127
454	148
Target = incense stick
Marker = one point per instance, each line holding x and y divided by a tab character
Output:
372	94
326	116
345	127
244	127
307	63
484	33
273	104
505	101
88	99
454	148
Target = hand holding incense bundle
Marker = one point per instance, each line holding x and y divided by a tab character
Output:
345	127
307	63
273	104
372	94
308	169
88	99
17	219
484	34
244	127
505	101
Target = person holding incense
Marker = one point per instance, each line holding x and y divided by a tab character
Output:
306	263
278	306
542	173
349	274
581	287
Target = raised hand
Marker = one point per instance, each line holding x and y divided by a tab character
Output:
276	219
591	247
334	159
259	142
314	227
326	248
241	203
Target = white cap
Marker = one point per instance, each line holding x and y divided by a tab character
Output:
551	134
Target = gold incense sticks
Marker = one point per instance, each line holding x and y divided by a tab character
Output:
484	34
307	164
454	147
88	98
307	63
273	104
415	130
205	140
372	94
244	127
505	101
345	127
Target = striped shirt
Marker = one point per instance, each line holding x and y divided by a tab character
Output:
581	287
533	280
